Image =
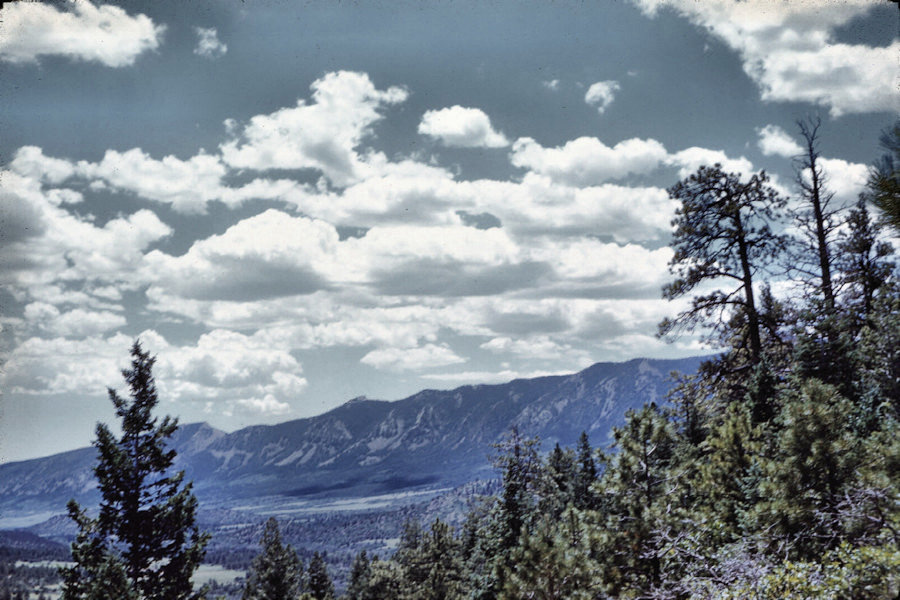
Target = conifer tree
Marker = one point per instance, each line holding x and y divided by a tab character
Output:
147	522
318	583
815	462
360	573
277	572
586	475
865	264
561	470
442	565
553	562
884	178
816	219
635	485
723	234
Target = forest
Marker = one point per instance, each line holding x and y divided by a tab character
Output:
770	473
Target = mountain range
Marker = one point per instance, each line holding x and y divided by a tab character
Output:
431	439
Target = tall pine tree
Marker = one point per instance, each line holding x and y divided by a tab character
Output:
146	531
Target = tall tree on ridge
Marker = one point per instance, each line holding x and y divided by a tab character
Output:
722	232
816	219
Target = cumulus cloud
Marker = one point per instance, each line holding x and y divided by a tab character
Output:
30	161
53	245
691	159
265	256
105	34
775	141
602	94
552	85
461	127
208	43
788	49
234	371
187	185
587	160
322	135
78	322
428	356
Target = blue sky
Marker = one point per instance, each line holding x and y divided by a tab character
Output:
294	204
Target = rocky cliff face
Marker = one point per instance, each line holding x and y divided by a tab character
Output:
369	446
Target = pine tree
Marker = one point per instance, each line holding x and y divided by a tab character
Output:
816	219
884	178
864	263
587	474
147	521
561	471
723	233
277	572
553	562
815	461
636	485
440	555
318	582
360	573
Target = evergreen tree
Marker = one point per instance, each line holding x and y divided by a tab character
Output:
440	555
584	497
636	485
318	582
146	526
385	581
815	462
561	471
360	573
276	573
864	261
884	178
816	220
553	562
722	233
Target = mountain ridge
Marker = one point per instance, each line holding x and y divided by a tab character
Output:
364	446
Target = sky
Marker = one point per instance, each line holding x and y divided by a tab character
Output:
292	204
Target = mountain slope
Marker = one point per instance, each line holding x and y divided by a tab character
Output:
368	446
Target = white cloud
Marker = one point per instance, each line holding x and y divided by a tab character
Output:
104	34
30	161
539	347
691	159
322	135
846	179
775	141
788	49
49	244
208	43
185	184
268	255
234	371
74	323
552	85
587	160
602	94
461	127
428	356
481	377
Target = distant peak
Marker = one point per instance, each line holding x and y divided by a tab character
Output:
357	399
